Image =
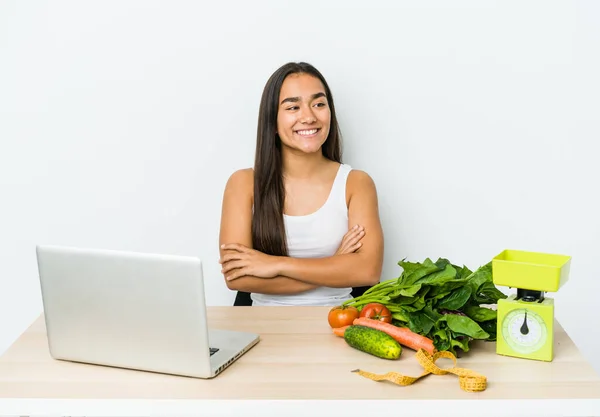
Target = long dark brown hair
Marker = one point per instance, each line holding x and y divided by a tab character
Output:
268	231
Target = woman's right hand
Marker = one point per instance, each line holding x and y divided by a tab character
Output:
351	240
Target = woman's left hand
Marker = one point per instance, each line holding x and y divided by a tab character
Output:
240	260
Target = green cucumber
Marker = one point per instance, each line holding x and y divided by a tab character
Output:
372	341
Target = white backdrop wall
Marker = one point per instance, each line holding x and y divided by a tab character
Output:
120	123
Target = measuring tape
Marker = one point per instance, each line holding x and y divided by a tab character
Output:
468	380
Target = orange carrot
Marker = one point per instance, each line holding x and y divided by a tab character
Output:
402	335
339	331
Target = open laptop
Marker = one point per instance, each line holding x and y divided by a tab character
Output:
132	310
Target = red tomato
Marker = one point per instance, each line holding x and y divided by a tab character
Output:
376	311
342	316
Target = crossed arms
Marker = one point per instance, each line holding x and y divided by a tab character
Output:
357	262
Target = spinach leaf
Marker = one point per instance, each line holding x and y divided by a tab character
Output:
440	291
482	275
416	274
464	325
399	317
408	267
442	263
461	342
439	277
462	273
488	294
456	299
490	327
421	321
441	339
430	312
407	292
480	313
415	306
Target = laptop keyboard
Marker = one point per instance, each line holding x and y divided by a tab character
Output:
213	351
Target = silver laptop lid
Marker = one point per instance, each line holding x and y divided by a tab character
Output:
125	309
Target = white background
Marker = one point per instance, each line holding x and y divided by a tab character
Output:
120	122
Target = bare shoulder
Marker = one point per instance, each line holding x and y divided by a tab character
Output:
358	178
359	182
241	181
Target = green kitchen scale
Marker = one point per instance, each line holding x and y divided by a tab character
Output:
526	319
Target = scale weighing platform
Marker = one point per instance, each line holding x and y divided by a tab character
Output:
526	319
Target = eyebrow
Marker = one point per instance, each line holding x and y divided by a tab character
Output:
297	99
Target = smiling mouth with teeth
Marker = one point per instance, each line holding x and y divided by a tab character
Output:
309	132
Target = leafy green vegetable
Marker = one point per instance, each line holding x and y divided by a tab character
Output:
440	300
456	299
460	342
490	327
480	277
488	294
417	273
441	340
420	322
464	325
480	313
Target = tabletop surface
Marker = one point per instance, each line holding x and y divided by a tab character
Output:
297	358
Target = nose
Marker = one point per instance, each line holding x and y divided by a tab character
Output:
307	116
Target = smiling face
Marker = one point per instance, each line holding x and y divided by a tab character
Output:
304	116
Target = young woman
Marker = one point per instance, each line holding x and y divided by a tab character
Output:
301	228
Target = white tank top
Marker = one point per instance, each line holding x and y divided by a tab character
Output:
316	235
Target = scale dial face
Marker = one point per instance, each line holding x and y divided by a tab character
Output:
524	330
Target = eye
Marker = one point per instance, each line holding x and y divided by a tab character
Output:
321	104
292	108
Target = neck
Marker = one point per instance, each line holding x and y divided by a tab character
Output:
301	165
